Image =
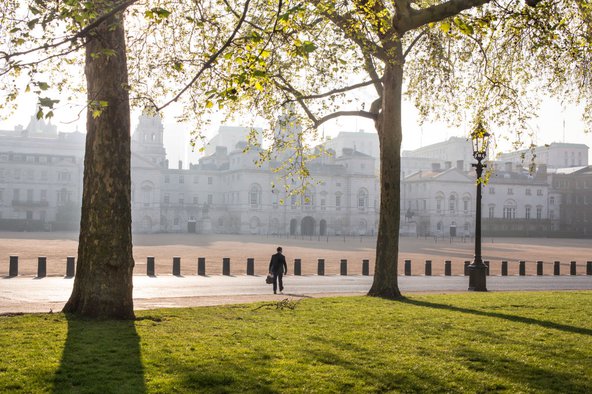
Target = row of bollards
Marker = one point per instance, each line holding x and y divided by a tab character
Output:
250	268
201	266
41	266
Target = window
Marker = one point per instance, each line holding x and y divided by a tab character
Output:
195	179
30	195
30	175
527	192
181	179
63	176
43	175
539	192
195	200
362	198
338	201
210	180
510	191
527	212
16	195
167	179
551	214
452	204
551	200
176	221
255	196
509	213
167	198
323	207
466	205
492	190
210	199
438	205
181	199
539	213
293	202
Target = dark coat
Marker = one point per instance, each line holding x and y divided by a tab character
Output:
278	265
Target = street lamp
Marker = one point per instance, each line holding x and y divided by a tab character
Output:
477	269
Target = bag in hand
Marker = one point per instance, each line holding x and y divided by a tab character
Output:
269	279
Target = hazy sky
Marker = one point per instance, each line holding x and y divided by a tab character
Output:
549	127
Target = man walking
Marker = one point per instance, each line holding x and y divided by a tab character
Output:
278	268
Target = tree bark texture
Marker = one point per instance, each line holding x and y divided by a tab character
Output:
388	126
103	282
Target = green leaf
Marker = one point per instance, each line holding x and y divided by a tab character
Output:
445	27
209	104
43	85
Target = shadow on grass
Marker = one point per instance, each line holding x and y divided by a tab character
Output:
100	357
517	319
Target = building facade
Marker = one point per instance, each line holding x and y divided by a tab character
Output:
227	192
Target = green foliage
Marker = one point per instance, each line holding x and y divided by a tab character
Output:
529	342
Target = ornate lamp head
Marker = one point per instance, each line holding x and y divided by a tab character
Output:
480	140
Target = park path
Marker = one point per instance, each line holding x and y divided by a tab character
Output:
27	294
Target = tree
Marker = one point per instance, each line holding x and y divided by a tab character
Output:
460	60
40	35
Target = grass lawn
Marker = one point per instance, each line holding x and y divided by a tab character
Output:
503	342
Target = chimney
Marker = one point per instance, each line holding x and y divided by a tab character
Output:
447	165
435	167
180	164
460	164
508	166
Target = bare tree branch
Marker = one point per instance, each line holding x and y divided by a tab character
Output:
415	41
81	34
363	114
331	92
212	58
436	13
371	70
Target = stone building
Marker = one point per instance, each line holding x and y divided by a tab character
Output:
41	187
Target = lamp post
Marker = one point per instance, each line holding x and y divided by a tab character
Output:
477	269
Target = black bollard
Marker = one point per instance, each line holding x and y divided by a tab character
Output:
556	268
150	271
201	266
589	268
486	262
250	266
343	267
226	266
522	268
297	267
41	267
467	263
177	266
539	268
428	268
572	268
407	267
70	266
504	268
448	268
365	267
321	267
13	266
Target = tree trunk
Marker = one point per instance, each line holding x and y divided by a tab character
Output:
390	135
103	282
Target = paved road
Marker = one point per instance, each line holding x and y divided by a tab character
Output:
27	294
